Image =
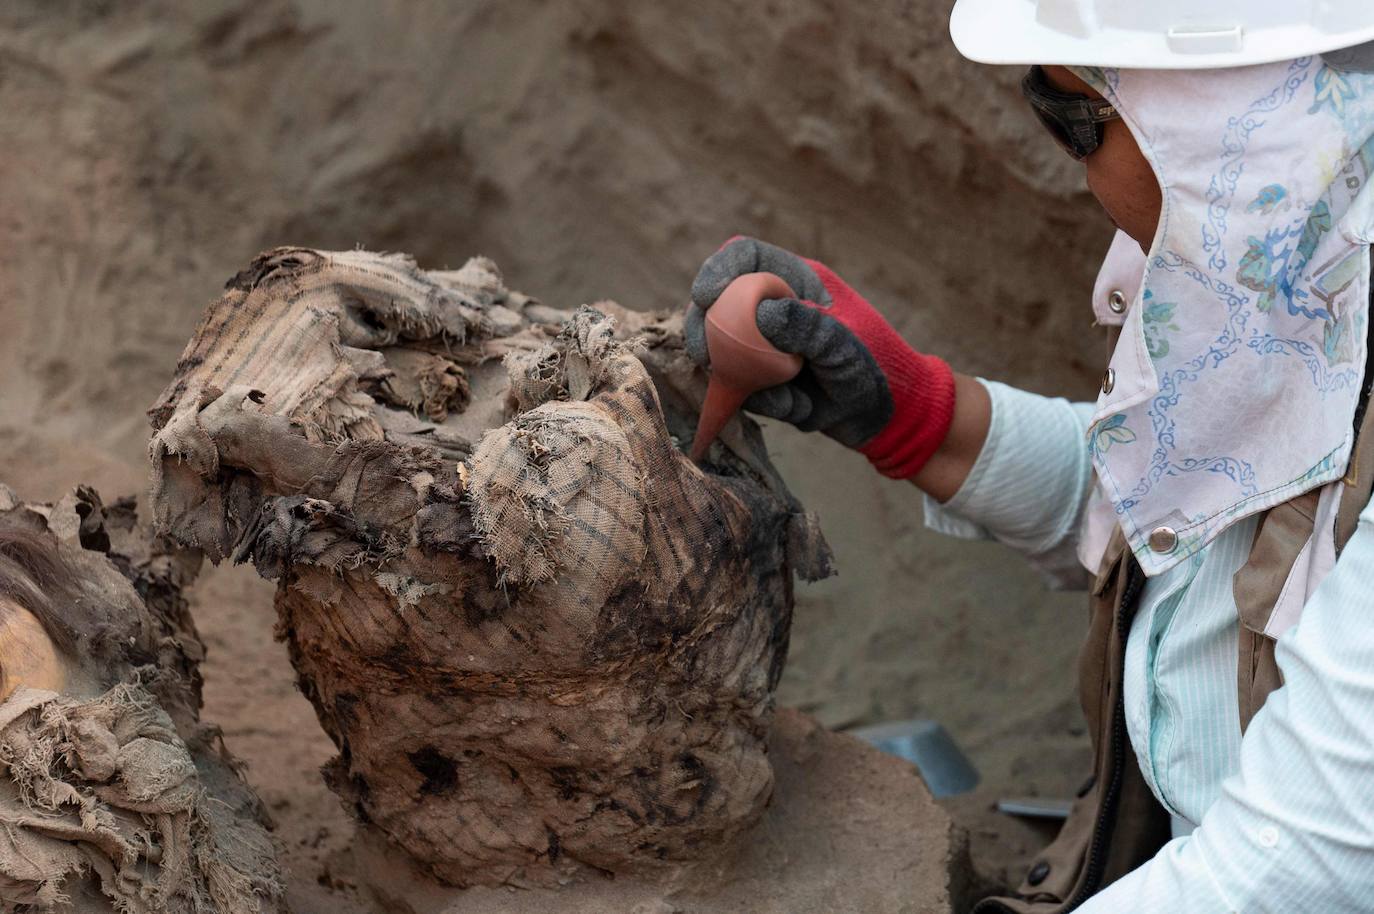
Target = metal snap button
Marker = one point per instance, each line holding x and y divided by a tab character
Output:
1038	873
1163	540
1116	301
1109	381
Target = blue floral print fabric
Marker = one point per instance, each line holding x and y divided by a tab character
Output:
1234	384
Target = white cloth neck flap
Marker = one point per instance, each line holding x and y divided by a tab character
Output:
1234	384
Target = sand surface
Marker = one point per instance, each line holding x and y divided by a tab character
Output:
595	149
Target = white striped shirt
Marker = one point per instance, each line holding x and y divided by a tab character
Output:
1285	817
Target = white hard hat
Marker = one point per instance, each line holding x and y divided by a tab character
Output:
1157	34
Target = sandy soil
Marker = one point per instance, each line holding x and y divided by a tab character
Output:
595	149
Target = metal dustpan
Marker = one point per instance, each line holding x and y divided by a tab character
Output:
928	746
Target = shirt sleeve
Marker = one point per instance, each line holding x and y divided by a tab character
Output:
1029	485
1293	830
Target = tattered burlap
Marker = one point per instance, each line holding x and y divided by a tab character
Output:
549	651
556	493
107	787
114	797
301	331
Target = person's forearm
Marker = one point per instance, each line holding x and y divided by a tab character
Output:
1015	469
946	471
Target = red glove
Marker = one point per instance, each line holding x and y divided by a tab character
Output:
861	384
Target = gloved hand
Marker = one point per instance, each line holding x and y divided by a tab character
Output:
861	383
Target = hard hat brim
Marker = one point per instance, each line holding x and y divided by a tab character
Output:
1007	32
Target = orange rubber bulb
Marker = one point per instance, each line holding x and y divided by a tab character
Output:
742	360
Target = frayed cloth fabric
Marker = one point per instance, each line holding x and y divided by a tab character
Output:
553	492
1236	377
107	788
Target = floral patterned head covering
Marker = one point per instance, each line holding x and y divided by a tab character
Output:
1234	385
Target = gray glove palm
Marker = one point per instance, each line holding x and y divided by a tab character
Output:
841	390
860	383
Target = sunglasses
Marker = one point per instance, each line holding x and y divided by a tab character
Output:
1076	121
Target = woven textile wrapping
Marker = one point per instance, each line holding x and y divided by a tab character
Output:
114	795
558	497
544	642
107	786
